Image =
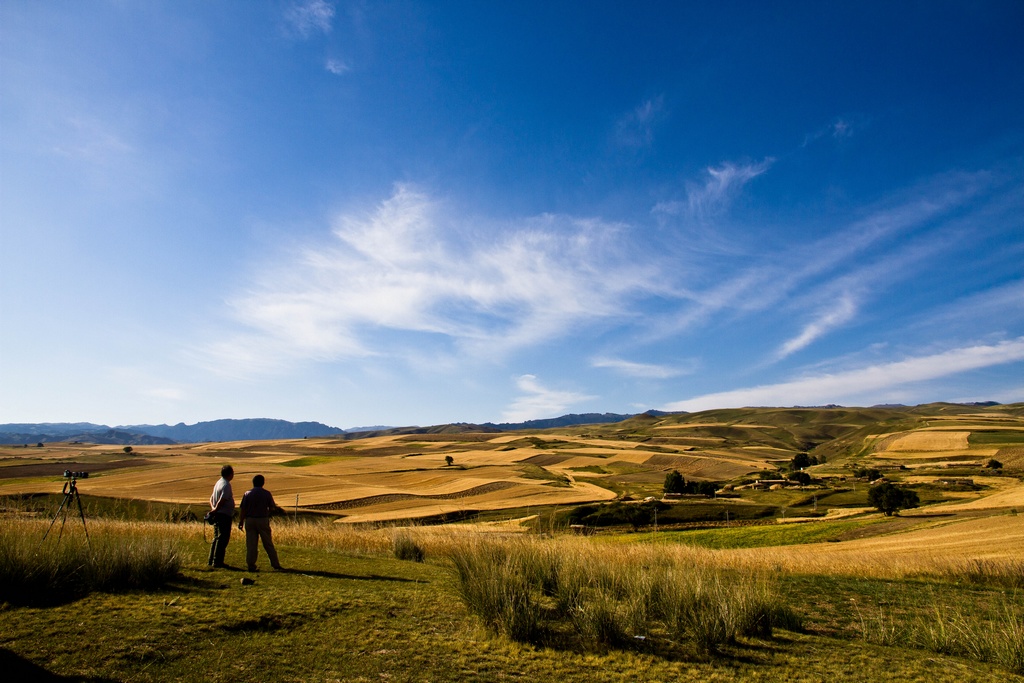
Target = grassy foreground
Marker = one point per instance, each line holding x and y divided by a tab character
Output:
349	610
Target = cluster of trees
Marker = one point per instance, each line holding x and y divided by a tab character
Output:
870	474
675	483
802	460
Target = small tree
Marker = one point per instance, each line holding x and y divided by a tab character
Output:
127	449
674	482
800	461
994	464
801	478
448	460
890	498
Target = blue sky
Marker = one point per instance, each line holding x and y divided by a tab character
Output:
426	212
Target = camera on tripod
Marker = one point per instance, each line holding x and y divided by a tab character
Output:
71	495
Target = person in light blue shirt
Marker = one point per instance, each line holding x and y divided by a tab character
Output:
222	506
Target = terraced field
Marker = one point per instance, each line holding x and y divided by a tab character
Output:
405	474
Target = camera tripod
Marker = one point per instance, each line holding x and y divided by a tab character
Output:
70	493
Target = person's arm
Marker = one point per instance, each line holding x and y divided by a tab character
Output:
274	507
218	493
241	512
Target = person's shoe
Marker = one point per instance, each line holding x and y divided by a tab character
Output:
253	568
279	568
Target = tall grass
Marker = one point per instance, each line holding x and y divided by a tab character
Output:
406	548
996	637
535	590
114	557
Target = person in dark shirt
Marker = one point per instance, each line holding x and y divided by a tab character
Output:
254	517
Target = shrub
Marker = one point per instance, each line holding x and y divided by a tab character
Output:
406	548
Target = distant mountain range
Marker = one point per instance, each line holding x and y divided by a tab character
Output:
138	435
247	430
563	421
262	429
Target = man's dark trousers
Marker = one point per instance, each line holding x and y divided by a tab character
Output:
221	536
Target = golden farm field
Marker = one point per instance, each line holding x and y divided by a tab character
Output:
934	544
398	476
370	480
925	440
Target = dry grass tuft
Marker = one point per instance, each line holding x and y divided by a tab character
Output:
532	590
116	556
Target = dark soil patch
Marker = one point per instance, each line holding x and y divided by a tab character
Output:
546	459
392	497
56	469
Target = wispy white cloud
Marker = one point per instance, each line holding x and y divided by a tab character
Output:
863	382
309	17
636	129
639	370
409	267
838	313
337	67
412	279
707	199
537	401
841	128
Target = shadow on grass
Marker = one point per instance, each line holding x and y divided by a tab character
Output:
213	580
752	650
336	575
41	598
17	668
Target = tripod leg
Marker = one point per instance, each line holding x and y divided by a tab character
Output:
63	521
81	513
57	514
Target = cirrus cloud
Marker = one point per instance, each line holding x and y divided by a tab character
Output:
312	16
860	382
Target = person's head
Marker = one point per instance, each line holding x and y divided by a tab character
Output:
227	472
258	480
